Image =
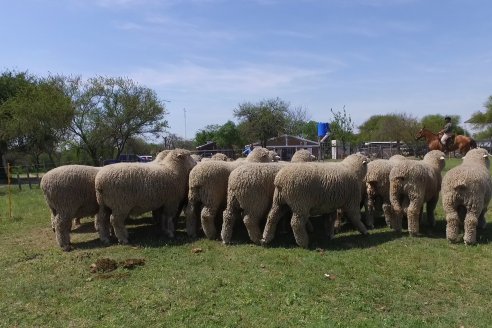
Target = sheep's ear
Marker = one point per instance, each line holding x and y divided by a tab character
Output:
486	155
442	158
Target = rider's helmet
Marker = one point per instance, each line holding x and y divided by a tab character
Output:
447	118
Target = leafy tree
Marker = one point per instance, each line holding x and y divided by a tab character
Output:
399	127
207	134
342	127
482	121
36	115
110	111
263	120
228	136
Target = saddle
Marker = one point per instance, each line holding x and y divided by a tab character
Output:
449	141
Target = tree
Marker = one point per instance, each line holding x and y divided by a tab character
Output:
228	136
110	111
482	121
263	120
35	113
342	127
206	134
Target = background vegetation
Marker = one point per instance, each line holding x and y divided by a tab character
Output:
63	119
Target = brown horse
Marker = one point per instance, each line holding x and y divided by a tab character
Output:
459	142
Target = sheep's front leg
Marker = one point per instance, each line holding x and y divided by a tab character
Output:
208	222
482	223
353	215
431	207
253	226
191	213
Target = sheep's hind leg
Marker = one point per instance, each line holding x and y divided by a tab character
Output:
118	222
103	225
298	224
271	224
229	218
452	226
471	221
62	232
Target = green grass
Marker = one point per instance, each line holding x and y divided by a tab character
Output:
382	280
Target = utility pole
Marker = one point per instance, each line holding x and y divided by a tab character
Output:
184	111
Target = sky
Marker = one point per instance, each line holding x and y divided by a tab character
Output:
206	57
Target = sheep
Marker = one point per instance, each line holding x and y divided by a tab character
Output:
208	191
69	191
317	188
197	158
413	183
466	193
136	188
251	188
302	155
219	157
378	187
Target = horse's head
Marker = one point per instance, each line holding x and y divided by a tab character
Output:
420	134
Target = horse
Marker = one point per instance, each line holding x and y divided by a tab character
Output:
459	142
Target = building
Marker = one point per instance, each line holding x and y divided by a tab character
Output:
286	145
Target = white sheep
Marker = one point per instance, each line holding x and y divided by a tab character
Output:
466	193
250	189
70	193
207	193
378	188
413	183
317	188
302	155
135	188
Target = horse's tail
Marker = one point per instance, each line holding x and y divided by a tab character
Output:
473	143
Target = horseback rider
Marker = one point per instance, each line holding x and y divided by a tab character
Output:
447	132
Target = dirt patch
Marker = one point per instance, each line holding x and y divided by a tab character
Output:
107	265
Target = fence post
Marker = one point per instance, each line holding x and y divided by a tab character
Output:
19	181
10	190
28	177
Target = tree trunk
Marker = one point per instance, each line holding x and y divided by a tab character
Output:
3	168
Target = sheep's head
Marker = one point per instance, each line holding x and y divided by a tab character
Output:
435	158
478	155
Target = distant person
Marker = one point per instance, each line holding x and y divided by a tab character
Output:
447	132
247	149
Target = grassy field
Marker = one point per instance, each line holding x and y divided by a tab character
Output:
382	280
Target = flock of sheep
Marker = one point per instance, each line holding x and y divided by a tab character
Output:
260	187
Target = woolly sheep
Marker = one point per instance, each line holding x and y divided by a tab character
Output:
413	183
466	193
317	188
219	157
135	188
208	191
378	188
70	194
250	189
197	158
302	155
